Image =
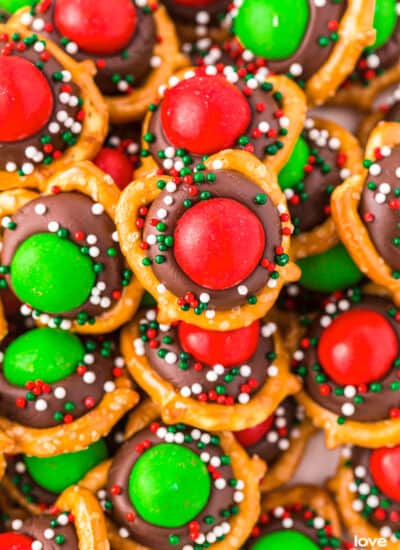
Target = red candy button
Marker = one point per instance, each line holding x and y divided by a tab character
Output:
114	163
26	99
97	26
218	243
252	435
359	347
15	541
204	114
385	469
213	347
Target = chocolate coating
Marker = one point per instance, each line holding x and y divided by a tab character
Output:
384	227
188	14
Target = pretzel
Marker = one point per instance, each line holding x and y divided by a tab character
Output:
88	518
363	97
353	520
94	125
355	32
293	106
249	470
352	229
209	416
80	433
83	178
144	191
308	495
324	236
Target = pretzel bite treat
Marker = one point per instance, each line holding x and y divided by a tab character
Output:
315	43
51	111
132	44
303	517
365	210
210	245
176	486
76	522
351	383
60	253
205	110
378	66
324	156
280	441
366	487
215	380
61	392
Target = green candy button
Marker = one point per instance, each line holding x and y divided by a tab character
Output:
56	473
169	485
329	271
385	21
42	354
272	29
281	540
13	5
293	171
51	274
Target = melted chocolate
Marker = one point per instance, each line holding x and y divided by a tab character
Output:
196	14
383	228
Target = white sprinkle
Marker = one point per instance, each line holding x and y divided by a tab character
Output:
53	227
348	409
97	209
40	209
89	377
